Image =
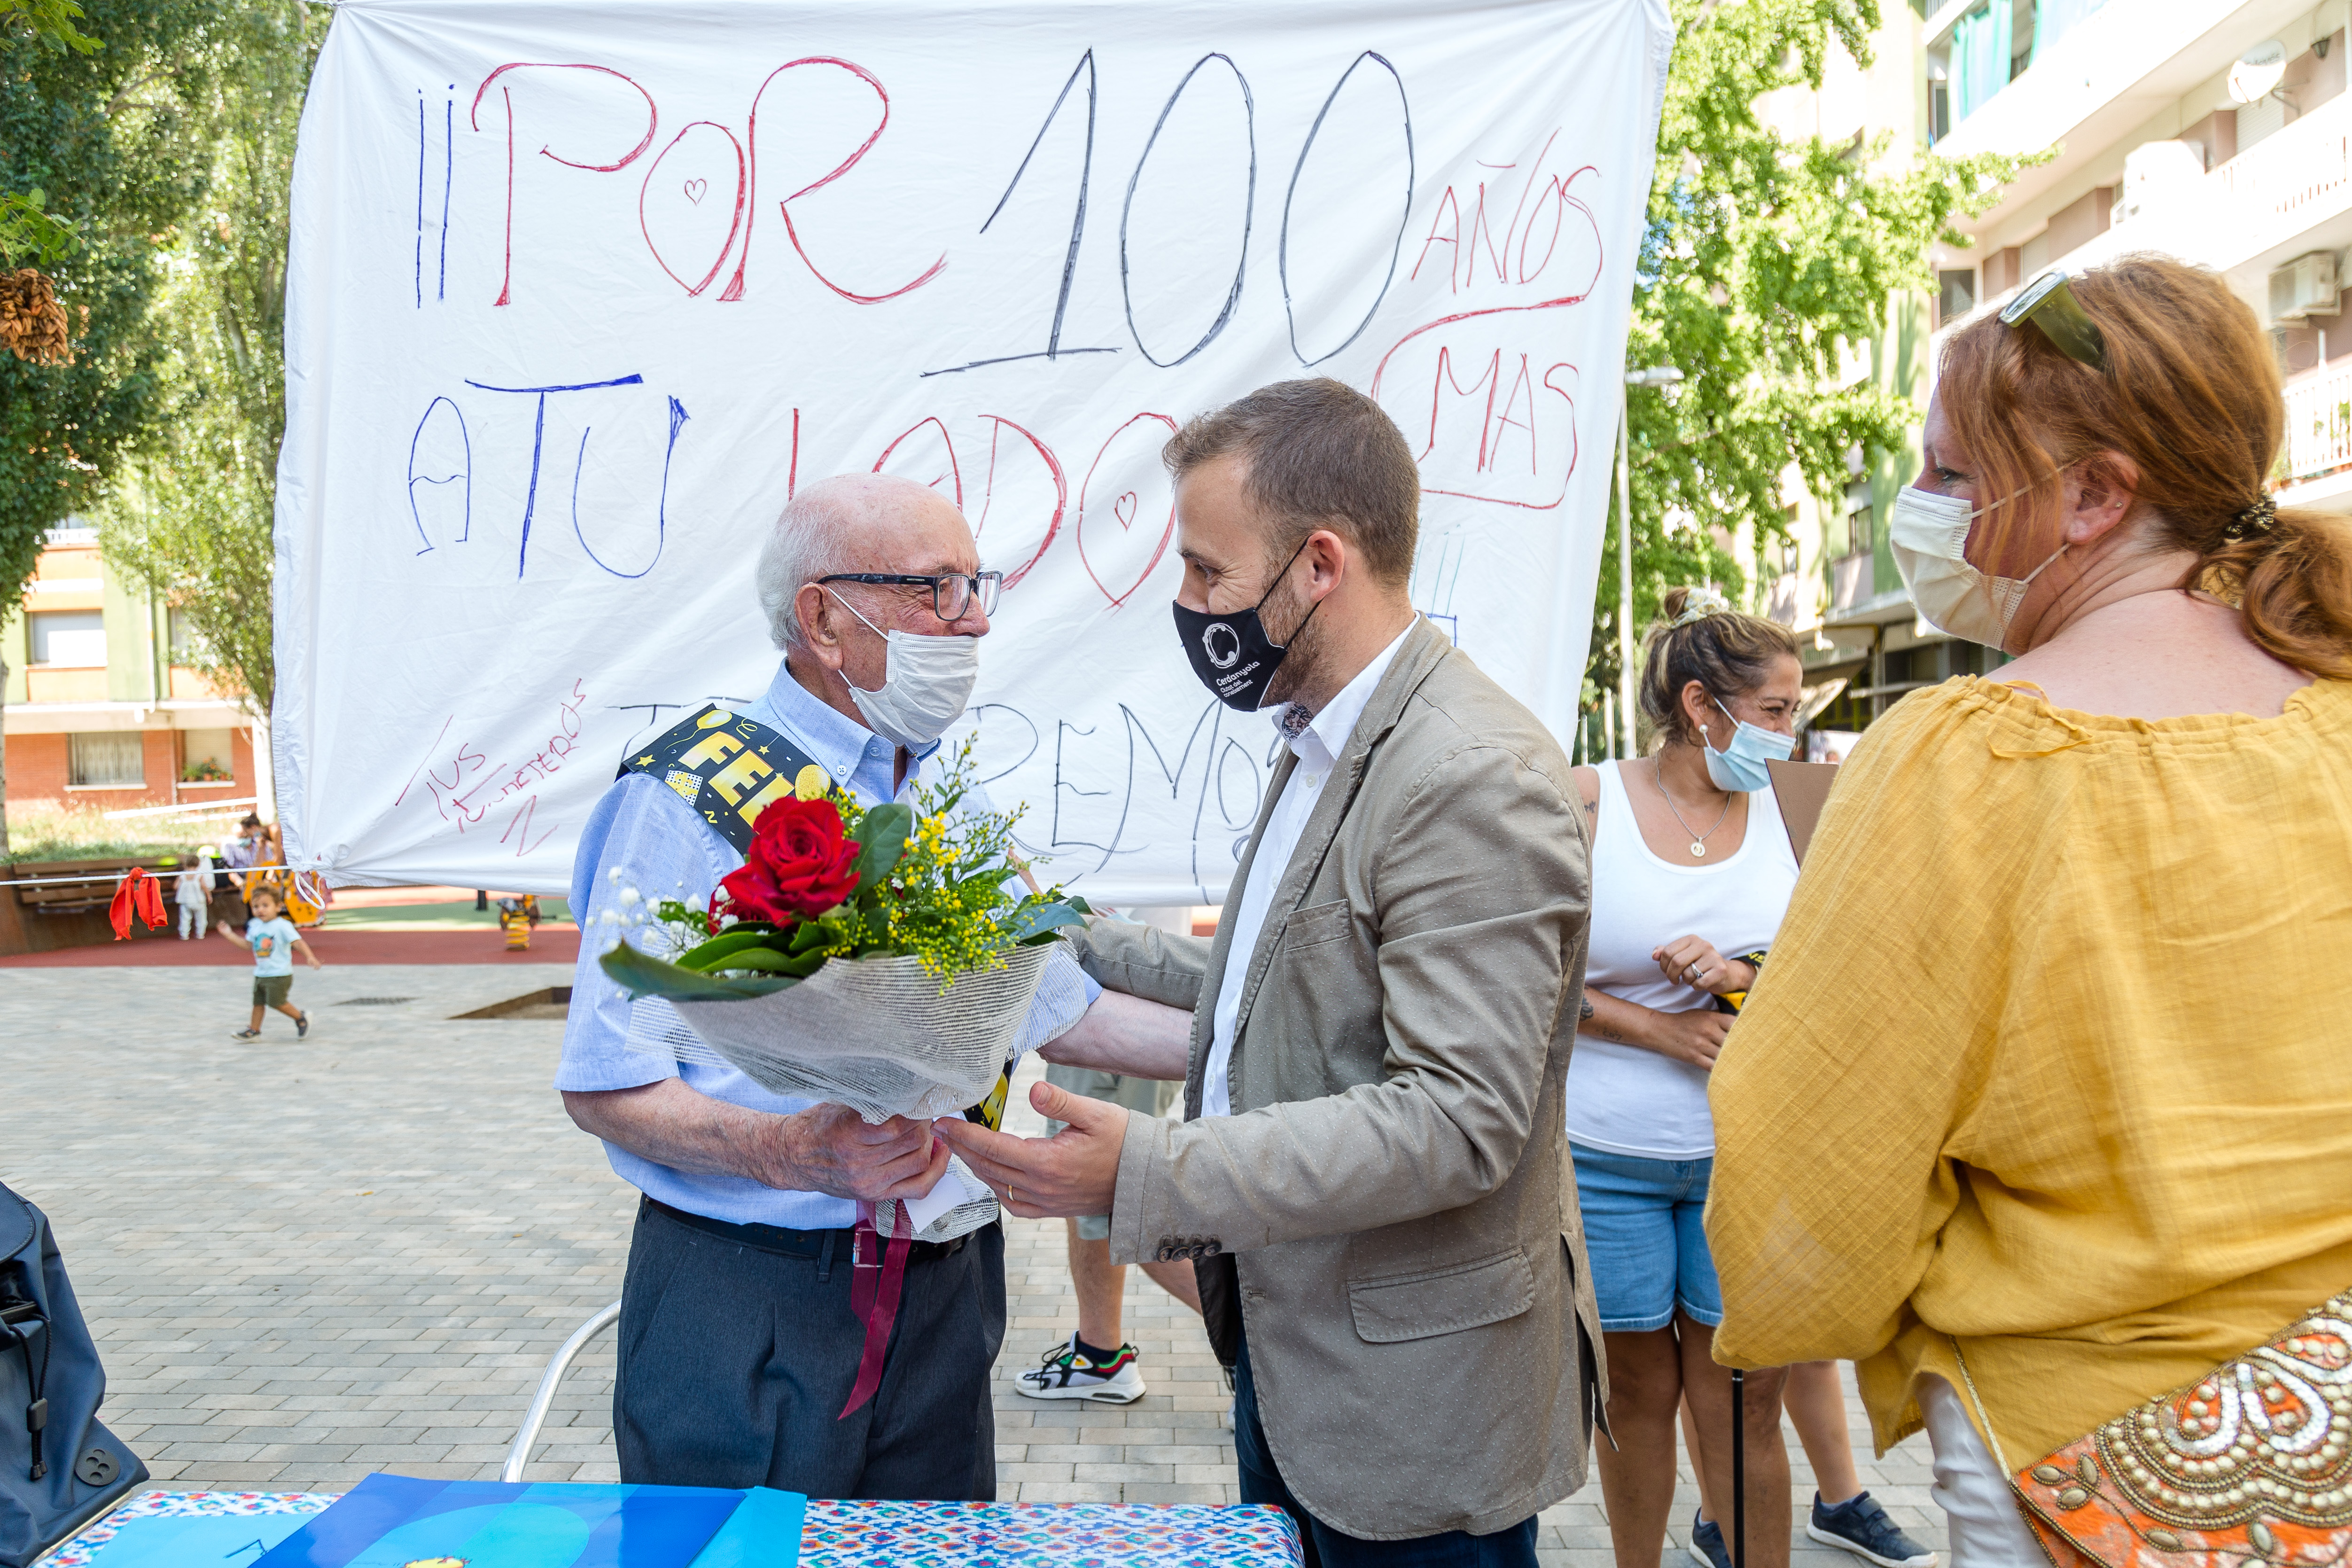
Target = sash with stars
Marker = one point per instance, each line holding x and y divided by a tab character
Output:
728	768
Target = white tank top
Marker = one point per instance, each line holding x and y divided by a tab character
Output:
1624	1100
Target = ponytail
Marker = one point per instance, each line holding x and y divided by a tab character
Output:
2191	395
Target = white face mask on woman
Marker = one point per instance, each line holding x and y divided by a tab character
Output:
926	682
1929	535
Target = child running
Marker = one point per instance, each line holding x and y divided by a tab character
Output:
272	940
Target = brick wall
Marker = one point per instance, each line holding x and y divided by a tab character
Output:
38	772
36	768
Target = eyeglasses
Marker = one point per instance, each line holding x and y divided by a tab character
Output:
2050	304
953	594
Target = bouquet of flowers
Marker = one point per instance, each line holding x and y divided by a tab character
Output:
877	957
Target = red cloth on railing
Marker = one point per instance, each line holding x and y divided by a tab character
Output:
141	894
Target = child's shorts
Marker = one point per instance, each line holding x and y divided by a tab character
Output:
269	990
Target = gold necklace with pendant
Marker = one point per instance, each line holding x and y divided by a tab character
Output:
1698	840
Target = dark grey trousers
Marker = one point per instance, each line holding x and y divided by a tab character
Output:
735	1362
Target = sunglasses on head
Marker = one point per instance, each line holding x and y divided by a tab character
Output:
2050	304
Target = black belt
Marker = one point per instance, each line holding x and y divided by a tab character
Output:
797	1242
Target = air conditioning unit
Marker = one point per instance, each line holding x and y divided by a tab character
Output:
2304	287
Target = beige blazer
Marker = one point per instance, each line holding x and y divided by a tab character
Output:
1395	1180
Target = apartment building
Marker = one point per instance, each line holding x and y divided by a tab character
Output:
101	713
2217	132
2214	132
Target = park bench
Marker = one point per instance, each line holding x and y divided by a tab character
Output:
72	887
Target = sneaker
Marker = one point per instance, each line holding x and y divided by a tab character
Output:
1860	1526
1063	1374
302	1026
247	1035
1706	1547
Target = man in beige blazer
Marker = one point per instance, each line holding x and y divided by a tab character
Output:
1371	1176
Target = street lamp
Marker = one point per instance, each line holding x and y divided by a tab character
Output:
1654	376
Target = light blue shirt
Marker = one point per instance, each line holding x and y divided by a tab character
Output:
665	850
273	946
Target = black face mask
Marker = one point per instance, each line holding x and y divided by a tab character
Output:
1232	654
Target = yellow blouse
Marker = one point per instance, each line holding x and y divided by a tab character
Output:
2052	1061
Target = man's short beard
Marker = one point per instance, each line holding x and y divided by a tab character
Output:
1301	654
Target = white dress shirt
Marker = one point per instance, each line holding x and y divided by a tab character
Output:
1318	747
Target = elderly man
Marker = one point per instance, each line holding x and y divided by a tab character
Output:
739	1346
1373	1178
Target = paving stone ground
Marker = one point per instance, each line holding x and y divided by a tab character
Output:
306	1262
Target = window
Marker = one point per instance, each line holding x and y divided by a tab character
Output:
67	637
1955	293
185	641
110	760
206	757
1857	530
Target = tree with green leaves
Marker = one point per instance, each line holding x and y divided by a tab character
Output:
1764	259
27	228
98	131
191	516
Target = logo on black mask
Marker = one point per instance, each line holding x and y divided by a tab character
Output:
1232	655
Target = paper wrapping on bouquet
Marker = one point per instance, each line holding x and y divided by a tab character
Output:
878	1035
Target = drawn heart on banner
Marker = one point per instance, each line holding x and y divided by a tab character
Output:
679	229
1107	548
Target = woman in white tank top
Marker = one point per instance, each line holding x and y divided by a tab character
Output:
1692	871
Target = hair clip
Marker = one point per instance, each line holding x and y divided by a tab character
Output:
1700	603
2259	517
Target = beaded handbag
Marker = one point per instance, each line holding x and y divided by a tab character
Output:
2250	1465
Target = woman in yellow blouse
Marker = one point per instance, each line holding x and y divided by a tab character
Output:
2045	1107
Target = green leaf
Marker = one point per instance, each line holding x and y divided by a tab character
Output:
709	955
882	838
1038	922
641	975
807	935
769	961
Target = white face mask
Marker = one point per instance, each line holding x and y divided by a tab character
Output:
1929	535
926	683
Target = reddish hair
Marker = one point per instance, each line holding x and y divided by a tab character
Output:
2192	396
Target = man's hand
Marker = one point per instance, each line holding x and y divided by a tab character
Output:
1074	1173
830	1149
825	1149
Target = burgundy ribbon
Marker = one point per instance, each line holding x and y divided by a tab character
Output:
876	1273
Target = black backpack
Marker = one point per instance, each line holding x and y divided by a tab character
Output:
59	1467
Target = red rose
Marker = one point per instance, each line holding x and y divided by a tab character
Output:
799	866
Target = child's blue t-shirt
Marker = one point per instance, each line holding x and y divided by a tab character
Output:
273	945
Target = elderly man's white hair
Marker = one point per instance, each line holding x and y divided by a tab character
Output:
818	533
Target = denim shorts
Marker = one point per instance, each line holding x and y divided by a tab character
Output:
1643	1231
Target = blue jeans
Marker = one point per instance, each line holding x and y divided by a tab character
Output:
1328	1548
1644	1231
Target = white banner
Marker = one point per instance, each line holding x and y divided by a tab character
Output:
581	291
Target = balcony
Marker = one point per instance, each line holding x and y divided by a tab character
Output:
2318	427
2289	194
2106	77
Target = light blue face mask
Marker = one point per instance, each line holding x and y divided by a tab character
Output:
1741	766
